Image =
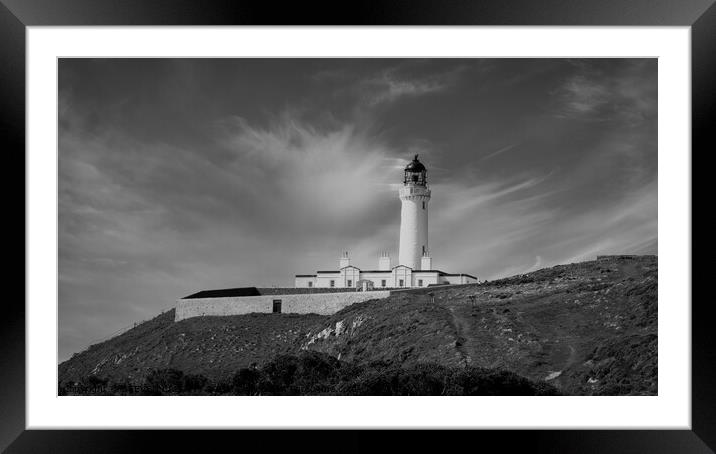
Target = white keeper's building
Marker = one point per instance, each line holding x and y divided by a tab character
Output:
414	267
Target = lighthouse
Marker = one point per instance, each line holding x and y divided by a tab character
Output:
414	267
414	197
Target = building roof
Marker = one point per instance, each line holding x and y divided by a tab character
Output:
441	273
460	274
223	293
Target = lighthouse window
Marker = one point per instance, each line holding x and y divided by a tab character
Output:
423	205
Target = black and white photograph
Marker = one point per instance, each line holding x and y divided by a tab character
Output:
357	227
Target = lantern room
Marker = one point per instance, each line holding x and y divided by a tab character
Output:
415	173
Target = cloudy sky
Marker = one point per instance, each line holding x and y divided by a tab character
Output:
177	175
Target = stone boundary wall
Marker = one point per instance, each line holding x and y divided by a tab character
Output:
307	290
603	258
309	303
618	258
302	290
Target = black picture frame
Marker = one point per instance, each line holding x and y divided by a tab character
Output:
16	15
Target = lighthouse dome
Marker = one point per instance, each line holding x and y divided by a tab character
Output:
415	166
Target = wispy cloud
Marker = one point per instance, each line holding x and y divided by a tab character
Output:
503	233
388	89
319	178
389	86
583	96
500	151
627	95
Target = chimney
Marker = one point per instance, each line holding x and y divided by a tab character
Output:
384	262
426	262
344	261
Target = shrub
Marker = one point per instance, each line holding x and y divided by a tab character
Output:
307	373
220	387
193	383
317	373
423	380
247	382
92	384
164	381
371	382
64	388
313	373
279	374
124	387
475	381
93	381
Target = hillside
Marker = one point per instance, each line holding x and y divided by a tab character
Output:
586	328
212	346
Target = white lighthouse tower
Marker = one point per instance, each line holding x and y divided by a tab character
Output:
415	267
414	195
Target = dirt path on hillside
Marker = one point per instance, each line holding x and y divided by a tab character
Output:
464	340
572	357
630	269
562	358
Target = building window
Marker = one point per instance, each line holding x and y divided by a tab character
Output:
420	282
350	283
310	284
276	306
400	283
382	282
333	283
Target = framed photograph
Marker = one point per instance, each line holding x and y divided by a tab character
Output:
402	217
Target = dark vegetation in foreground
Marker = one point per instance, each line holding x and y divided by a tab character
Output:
313	373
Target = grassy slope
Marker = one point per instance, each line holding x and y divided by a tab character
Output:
213	346
589	327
